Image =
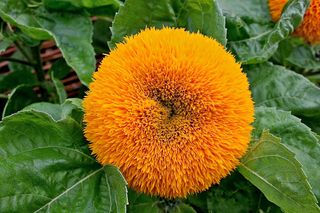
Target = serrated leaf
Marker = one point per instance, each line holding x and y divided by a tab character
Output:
275	86
272	168
262	47
296	136
71	31
19	98
204	16
52	171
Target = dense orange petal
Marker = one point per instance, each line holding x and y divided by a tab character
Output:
309	29
171	109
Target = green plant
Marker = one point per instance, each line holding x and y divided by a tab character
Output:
45	162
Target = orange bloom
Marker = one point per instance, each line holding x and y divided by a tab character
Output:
171	109
309	29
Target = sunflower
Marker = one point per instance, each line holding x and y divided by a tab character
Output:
309	29
171	109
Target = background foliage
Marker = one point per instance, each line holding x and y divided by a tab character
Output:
45	164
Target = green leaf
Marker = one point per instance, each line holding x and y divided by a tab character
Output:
204	16
58	71
20	97
183	208
260	48
13	79
52	171
275	86
248	10
71	5
70	108
4	44
272	168
118	188
101	36
71	31
296	53
233	194
141	203
136	15
15	66
296	136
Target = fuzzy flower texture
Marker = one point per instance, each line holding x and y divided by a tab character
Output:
171	109
309	29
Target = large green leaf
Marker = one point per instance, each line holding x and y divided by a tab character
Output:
296	136
204	16
19	98
260	48
71	31
275	86
272	168
136	15
46	167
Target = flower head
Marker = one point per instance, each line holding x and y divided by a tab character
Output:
309	29
171	109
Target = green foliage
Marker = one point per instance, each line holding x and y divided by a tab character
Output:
53	171
275	86
58	71
204	16
71	5
296	136
70	108
45	162
72	32
234	194
261	47
297	54
21	96
269	165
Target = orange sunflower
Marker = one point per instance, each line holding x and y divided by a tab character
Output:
309	29
171	109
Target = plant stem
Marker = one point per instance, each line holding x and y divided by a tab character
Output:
38	64
16	60
39	71
23	51
19	46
